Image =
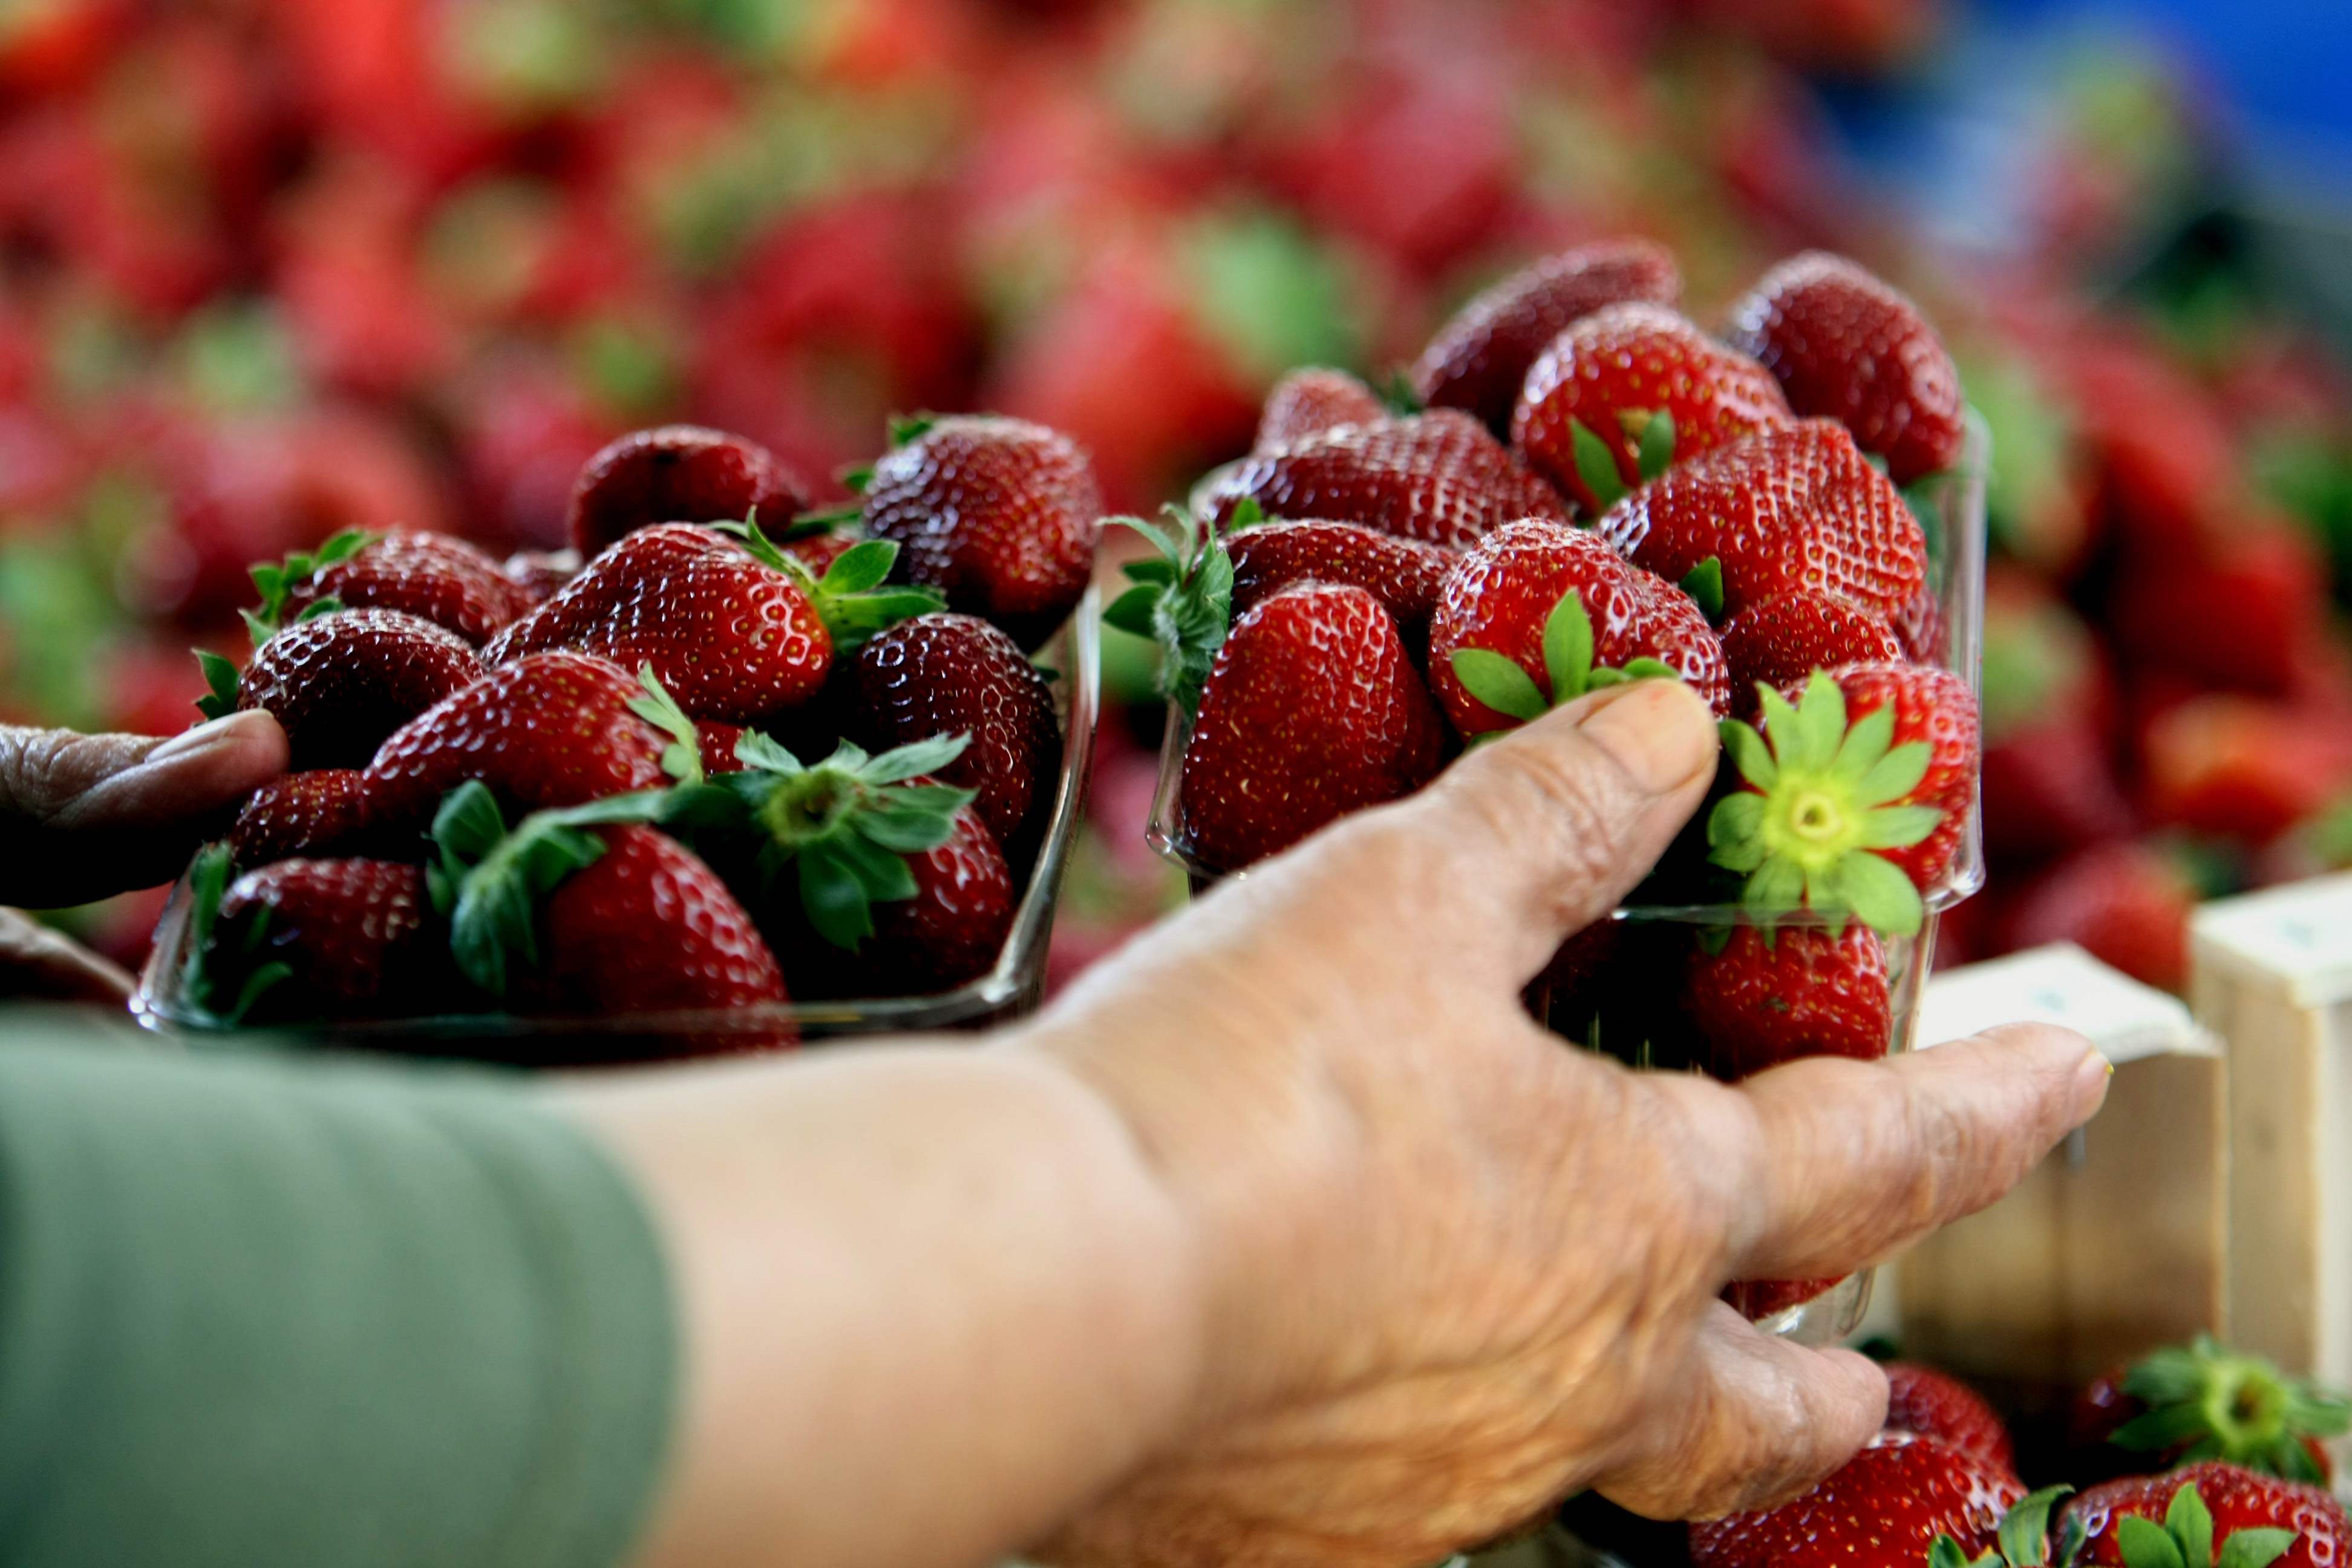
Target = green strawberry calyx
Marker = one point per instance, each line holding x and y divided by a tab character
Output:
2206	1401
1823	798
1183	600
1496	680
850	598
845	827
2022	1540
1650	433
490	881
2185	1538
682	758
277	579
218	959
221	677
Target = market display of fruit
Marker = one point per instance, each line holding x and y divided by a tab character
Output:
2217	1467
593	815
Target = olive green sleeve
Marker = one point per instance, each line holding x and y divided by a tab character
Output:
261	1310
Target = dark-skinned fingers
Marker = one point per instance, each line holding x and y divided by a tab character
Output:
38	964
1851	1161
82	816
1750	1419
1536	835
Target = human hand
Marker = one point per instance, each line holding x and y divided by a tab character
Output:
82	816
1453	1269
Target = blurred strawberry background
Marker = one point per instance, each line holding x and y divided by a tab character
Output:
275	268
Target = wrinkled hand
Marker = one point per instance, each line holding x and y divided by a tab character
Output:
82	816
1455	1269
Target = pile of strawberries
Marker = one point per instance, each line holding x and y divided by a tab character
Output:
685	766
2236	1478
1590	490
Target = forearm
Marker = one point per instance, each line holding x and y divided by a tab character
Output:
932	1299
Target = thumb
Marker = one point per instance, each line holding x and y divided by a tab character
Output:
85	815
1544	831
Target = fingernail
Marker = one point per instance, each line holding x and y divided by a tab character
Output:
211	733
1659	732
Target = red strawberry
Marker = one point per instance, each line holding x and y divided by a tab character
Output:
1787	637
442	579
586	913
301	937
1001	515
946	674
1479	359
549	729
2123	902
1920	624
716	742
317	813
1846	346
2249	606
1797	507
679	473
2233	1499
1538	612
1932	1403
1307	402
947	934
1883	1510
341	682
1404	573
1311	710
1772	995
738	632
2242	765
1757	1300
2188	1403
1853	798
1611	377
1439	477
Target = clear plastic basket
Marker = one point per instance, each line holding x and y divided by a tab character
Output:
1951	510
1012	988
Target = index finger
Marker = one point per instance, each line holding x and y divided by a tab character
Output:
1849	1161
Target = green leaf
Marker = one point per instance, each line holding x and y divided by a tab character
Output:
856	477
1596	465
914	820
907	428
1657	449
1498	682
1895	774
1703	584
1648	669
2257	1548
1813	743
916	758
1732	831
1136	611
1864	745
755	748
257	984
1748	751
1246	513
468	824
221	675
1880	895
1160	572
2024	1532
682	758
1777	887
2146	1544
860	567
2190	1524
1899	826
1567	647
317	608
2156	1430
833	897
1947	1553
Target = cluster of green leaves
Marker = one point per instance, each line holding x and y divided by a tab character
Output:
1823	799
2022	1540
490	883
275	582
2206	1402
1651	432
1496	680
843	828
217	960
1183	600
854	598
2185	1538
